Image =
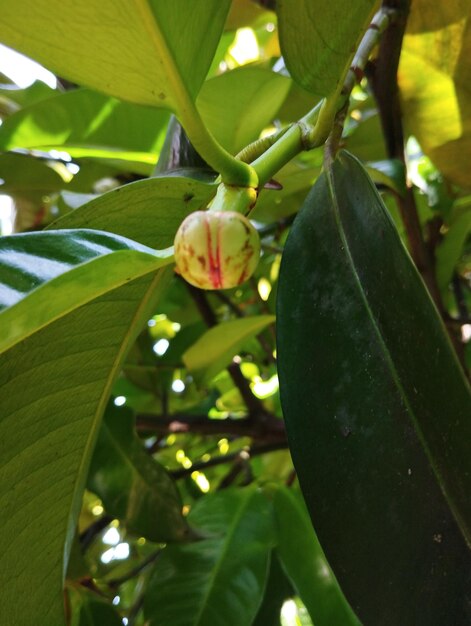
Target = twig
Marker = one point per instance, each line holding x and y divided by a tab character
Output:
202	466
460	298
254	406
266	427
383	78
86	538
382	75
116	582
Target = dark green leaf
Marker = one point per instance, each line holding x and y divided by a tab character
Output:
219	580
377	410
304	562
132	485
318	43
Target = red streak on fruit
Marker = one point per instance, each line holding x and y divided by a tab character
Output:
214	267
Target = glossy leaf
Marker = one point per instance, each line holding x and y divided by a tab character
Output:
378	432
317	43
237	105
219	580
435	78
54	387
84	118
143	51
132	485
305	564
147	211
53	273
214	350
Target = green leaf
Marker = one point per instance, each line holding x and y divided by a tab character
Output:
390	173
421	19
318	43
215	349
55	272
143	51
237	105
243	13
305	564
451	247
132	485
377	410
434	79
149	211
296	180
219	580
26	96
85	118
54	387
22	173
90	609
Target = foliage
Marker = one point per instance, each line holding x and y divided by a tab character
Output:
145	467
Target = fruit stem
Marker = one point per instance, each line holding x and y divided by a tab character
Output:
231	198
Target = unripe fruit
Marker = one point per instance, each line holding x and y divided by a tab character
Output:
216	249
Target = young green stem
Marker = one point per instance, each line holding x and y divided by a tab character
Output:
315	127
230	198
232	171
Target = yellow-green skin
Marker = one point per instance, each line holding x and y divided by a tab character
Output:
216	249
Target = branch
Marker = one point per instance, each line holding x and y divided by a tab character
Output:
382	74
150	558
201	466
267	427
86	538
254	405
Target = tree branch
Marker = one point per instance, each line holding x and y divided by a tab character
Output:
86	538
254	406
382	74
201	466
266	427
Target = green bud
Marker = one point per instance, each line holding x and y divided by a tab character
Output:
216	249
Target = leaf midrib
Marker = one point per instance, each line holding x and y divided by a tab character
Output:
228	540
100	409
178	89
